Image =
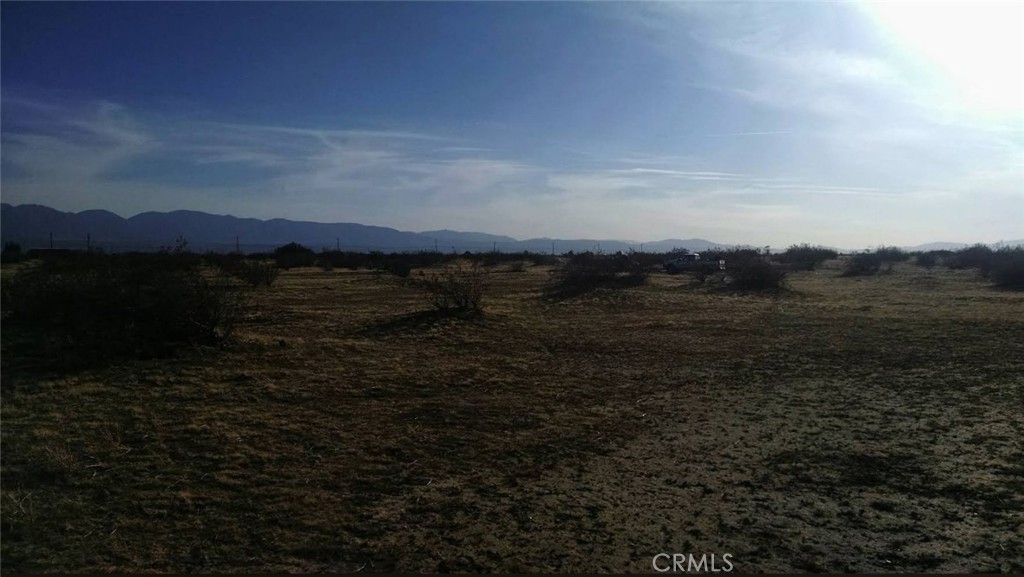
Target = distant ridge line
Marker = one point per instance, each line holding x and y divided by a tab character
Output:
32	224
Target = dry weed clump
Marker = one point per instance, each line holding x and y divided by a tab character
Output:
806	257
92	308
1006	269
586	272
456	289
757	276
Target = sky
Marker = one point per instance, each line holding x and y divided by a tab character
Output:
848	124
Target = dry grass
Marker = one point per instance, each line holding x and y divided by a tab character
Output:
870	424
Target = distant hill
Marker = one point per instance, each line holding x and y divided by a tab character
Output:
449	236
32	225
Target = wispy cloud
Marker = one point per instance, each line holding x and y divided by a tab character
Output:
767	133
105	155
67	145
685	174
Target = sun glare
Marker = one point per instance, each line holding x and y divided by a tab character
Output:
977	47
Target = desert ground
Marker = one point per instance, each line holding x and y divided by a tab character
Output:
868	424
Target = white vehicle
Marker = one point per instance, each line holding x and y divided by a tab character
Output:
692	262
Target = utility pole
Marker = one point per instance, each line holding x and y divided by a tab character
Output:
494	246
88	242
238	247
552	248
51	240
435	245
337	243
641	247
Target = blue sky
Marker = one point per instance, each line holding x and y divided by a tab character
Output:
848	124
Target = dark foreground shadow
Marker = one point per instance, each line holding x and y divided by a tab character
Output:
417	322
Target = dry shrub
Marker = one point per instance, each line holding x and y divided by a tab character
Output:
456	289
1006	268
927	259
757	276
863	264
294	255
588	271
94	308
977	256
254	272
806	257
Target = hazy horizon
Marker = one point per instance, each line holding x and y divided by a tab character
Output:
631	241
853	124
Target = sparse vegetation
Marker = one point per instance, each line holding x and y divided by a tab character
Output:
735	257
863	264
870	263
456	289
11	253
256	272
805	256
890	254
978	256
927	259
400	268
91	308
585	272
252	271
294	255
757	276
1006	268
346	428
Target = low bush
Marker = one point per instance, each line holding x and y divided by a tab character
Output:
734	257
399	262
489	259
978	256
12	253
540	259
757	276
456	289
252	271
805	256
256	272
329	260
650	260
294	255
400	268
887	254
863	264
585	272
1006	268
94	308
927	259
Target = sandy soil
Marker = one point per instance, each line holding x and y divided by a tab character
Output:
861	425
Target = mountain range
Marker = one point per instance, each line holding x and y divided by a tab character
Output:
33	225
37	226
